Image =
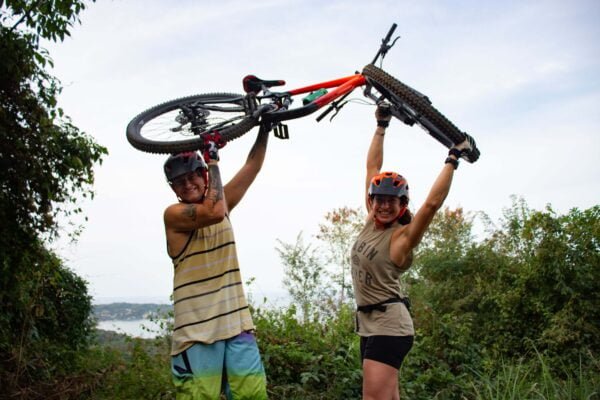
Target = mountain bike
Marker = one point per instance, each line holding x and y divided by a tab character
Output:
179	125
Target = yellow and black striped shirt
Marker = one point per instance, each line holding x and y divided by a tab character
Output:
209	299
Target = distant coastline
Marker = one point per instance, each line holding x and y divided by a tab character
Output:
132	300
131	311
143	308
144	329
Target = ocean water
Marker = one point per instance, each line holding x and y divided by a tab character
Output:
146	329
140	328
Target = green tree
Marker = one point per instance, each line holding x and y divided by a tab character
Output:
303	275
47	163
531	286
338	233
442	285
319	277
547	295
46	166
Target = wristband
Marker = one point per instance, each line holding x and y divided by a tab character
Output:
450	160
383	123
455	152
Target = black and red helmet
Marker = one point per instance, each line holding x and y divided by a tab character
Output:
390	184
183	163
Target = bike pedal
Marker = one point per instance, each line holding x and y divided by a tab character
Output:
281	131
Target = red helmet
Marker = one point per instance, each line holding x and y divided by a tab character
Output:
182	163
390	184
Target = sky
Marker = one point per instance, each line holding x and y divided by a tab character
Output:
521	77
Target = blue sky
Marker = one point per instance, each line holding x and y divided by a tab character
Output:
522	77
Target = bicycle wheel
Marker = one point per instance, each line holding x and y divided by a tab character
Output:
415	107
177	125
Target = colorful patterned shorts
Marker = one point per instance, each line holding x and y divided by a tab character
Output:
232	366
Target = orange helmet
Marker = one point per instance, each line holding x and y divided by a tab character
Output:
390	184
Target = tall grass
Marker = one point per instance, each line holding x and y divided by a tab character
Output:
536	379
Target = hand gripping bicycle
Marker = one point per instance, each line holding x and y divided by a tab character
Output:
178	125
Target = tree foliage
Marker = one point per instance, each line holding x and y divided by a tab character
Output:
309	358
46	162
531	286
46	167
338	234
525	295
471	339
303	275
318	276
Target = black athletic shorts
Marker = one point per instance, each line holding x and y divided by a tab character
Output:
389	350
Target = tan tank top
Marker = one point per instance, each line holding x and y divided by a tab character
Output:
376	279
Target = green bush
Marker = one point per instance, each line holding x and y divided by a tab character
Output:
309	358
130	369
46	322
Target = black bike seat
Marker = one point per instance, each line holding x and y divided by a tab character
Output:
252	84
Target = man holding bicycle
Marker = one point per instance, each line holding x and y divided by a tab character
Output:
213	344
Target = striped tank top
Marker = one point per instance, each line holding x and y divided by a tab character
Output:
209	299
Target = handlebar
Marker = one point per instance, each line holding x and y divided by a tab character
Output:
384	43
390	33
333	106
324	114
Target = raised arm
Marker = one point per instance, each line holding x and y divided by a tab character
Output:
404	240
236	188
375	153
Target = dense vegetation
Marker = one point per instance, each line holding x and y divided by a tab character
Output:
46	165
510	314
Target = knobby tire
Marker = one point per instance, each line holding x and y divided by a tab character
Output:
390	88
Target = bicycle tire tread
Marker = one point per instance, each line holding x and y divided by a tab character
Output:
422	106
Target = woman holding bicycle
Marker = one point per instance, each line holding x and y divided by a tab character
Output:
383	251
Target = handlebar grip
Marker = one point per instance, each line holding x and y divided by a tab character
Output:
473	154
390	33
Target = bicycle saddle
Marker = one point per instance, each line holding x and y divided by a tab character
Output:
252	84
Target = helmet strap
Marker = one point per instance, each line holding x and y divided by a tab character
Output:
402	212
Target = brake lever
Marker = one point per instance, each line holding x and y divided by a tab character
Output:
333	106
337	109
385	48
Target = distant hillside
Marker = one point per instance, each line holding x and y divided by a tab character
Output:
129	311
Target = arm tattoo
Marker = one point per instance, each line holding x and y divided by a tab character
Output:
190	212
215	188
